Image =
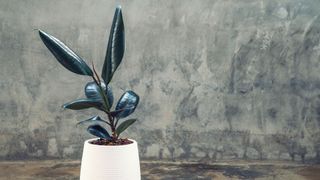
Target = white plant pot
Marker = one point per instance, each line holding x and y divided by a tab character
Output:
101	162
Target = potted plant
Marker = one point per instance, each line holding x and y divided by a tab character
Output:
108	156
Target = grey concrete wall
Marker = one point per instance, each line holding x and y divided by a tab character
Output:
218	79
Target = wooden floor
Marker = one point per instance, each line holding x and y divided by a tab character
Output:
65	170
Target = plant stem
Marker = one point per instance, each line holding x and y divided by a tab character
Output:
105	104
117	120
98	82
95	72
105	101
113	128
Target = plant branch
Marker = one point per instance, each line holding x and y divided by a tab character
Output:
95	72
105	101
117	120
113	127
97	80
107	123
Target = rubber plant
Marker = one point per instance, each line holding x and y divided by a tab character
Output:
98	93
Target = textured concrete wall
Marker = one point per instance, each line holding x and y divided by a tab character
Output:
218	79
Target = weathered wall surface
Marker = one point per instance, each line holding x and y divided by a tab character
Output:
218	79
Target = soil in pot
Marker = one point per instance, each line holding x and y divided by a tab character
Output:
111	142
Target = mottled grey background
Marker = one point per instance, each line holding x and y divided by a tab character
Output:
218	79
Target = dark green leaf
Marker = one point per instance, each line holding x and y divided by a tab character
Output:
82	104
128	101
123	126
98	131
92	119
117	112
116	46
92	92
65	55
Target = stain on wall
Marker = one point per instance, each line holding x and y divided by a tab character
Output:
217	79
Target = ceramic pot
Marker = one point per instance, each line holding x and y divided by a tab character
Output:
110	162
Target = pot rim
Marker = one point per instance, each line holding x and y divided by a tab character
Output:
109	146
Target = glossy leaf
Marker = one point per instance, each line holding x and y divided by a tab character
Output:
83	104
123	126
92	92
98	131
92	119
117	112
65	55
115	48
128	101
